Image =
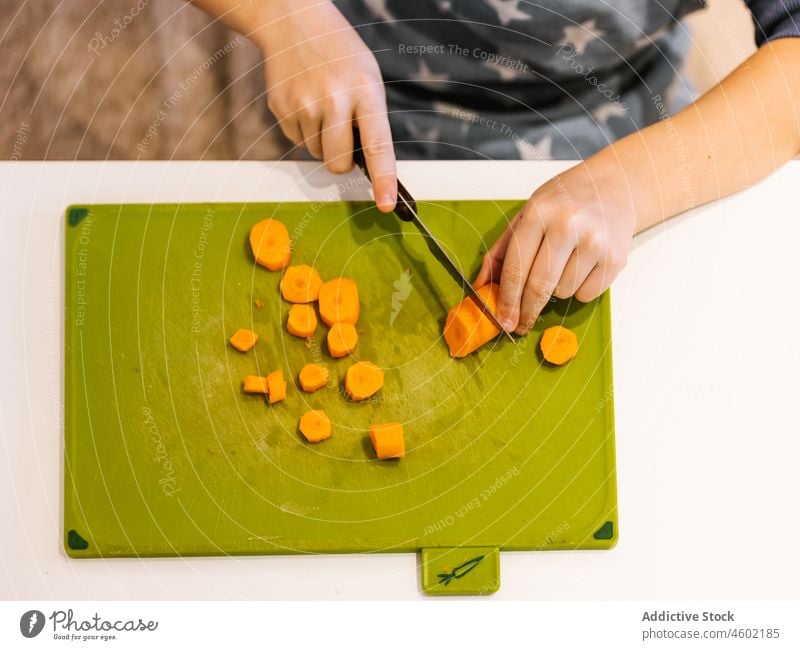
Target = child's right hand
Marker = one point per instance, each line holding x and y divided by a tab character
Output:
322	80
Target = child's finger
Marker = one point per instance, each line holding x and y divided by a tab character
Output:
596	283
376	140
492	262
337	140
576	271
520	252
291	129
311	138
547	267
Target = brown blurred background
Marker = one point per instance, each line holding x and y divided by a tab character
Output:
156	79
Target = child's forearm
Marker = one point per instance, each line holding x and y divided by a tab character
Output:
736	134
256	19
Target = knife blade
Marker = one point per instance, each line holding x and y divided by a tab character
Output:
406	210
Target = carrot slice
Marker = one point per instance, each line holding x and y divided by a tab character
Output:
342	339
467	328
338	302
387	440
313	377
315	426
277	386
558	345
269	240
300	284
254	384
363	380
259	303
244	340
302	321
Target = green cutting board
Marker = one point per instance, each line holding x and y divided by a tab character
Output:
166	456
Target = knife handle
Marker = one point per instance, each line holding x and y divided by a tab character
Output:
358	154
405	202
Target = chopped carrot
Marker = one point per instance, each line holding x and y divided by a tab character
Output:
338	302
467	328
387	439
342	339
277	386
302	321
313	377
244	340
269	240
363	380
254	384
315	426
300	284
558	345
259	303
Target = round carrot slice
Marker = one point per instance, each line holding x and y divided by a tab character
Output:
315	426
300	284
313	377
269	240
243	340
342	339
302	321
338	302
558	345
363	380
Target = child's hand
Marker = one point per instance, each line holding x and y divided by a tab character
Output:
571	239
322	80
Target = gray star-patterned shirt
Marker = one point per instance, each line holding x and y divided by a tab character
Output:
533	80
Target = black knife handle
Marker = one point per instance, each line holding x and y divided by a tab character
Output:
405	202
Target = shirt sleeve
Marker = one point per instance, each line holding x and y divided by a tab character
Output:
775	19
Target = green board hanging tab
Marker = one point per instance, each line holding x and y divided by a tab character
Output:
460	571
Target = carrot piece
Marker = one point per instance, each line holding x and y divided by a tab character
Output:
363	380
302	321
338	302
467	328
313	377
300	284
315	426
277	386
558	345
269	240
387	440
259	303
342	339
254	384
244	340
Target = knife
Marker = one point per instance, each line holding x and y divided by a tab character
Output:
406	209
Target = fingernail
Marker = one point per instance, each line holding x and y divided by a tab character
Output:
386	201
507	324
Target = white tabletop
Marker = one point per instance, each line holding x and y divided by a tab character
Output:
706	323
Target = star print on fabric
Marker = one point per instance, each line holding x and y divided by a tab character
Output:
428	77
579	36
607	110
650	39
542	150
451	110
426	138
380	10
457	113
507	11
506	73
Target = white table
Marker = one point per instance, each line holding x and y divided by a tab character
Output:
707	375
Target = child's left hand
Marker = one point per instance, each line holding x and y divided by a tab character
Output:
571	238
